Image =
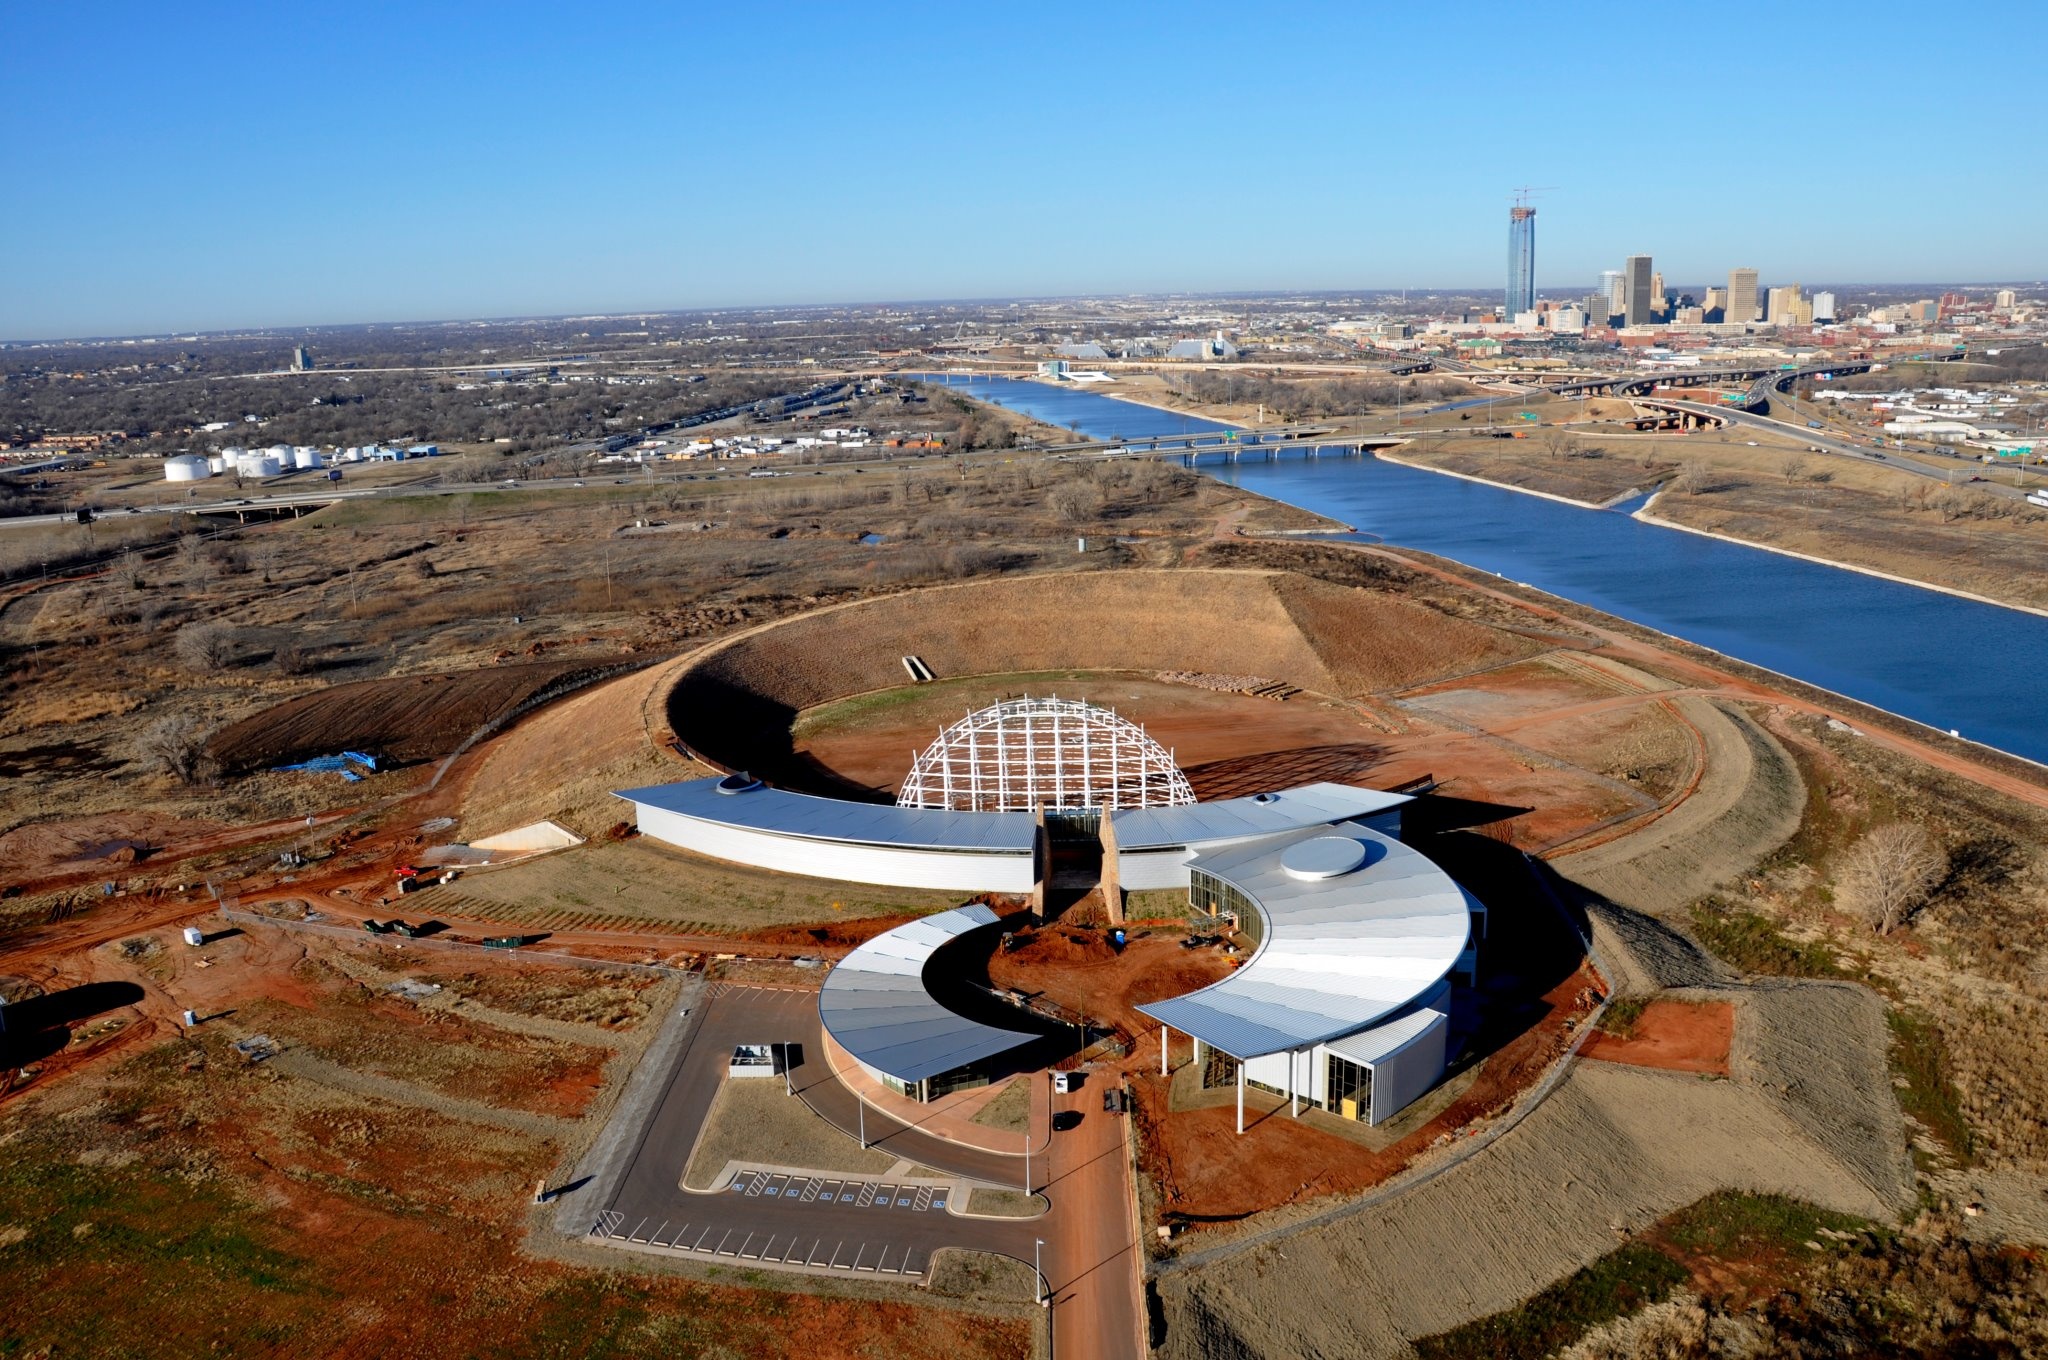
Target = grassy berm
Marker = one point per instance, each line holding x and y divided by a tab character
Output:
1765	1277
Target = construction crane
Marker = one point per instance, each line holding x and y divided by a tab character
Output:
1522	194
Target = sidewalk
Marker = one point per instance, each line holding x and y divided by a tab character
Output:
950	1117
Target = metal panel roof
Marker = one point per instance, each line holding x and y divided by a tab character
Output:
1338	954
1263	814
875	1006
783	813
1370	1046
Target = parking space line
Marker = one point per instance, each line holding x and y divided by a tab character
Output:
857	1255
834	1264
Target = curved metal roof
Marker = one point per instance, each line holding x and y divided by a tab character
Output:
1262	814
875	1006
755	806
1339	953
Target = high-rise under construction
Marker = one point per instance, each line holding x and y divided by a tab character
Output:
1521	260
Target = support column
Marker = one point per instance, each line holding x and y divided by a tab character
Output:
1240	1095
1293	1096
1165	1042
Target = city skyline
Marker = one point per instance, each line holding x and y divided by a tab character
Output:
521	169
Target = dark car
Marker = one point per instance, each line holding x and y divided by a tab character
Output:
1066	1120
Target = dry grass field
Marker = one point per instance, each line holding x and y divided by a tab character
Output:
644	882
363	1195
754	1121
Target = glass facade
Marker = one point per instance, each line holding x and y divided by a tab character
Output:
1349	1087
1214	897
1521	296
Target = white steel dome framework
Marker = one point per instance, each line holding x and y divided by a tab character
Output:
1060	754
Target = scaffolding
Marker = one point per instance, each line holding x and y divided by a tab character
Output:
1058	754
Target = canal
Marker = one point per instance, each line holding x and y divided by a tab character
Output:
1945	661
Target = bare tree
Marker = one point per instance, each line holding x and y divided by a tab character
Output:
207	646
1794	468
175	744
1890	874
1075	502
1694	478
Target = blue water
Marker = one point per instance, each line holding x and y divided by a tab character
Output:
1945	661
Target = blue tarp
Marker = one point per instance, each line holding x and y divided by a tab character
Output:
335	765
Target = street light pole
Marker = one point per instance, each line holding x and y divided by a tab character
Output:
1044	1294
862	1107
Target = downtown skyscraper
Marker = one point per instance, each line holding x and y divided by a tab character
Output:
1521	260
1635	290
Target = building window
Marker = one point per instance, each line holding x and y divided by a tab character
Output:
1349	1086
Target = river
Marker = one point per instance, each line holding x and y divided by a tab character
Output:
1948	662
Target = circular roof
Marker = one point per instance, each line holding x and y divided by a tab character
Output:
1322	857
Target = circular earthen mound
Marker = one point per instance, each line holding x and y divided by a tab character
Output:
735	705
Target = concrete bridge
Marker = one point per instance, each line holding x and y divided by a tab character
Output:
1763	379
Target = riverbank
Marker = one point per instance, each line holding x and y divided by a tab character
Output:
1487	481
1780	498
1647	517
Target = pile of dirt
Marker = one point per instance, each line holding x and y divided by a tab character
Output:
836	936
399	720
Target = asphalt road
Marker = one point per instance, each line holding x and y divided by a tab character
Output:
1830	444
878	1225
792	1220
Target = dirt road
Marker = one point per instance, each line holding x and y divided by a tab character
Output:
1709	680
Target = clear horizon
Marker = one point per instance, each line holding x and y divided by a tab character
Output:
273	170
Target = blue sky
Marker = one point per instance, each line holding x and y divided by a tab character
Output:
210	166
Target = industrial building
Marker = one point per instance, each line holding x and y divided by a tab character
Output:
1343	1004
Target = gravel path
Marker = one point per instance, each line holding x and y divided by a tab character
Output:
1747	803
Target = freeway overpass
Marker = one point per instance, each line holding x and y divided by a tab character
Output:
1763	379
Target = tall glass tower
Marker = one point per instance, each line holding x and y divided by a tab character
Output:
1521	260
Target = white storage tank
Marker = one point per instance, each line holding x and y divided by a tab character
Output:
282	453
305	458
216	463
259	465
186	467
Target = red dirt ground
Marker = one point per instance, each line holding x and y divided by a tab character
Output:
1197	725
1076	967
1207	1173
1676	1036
